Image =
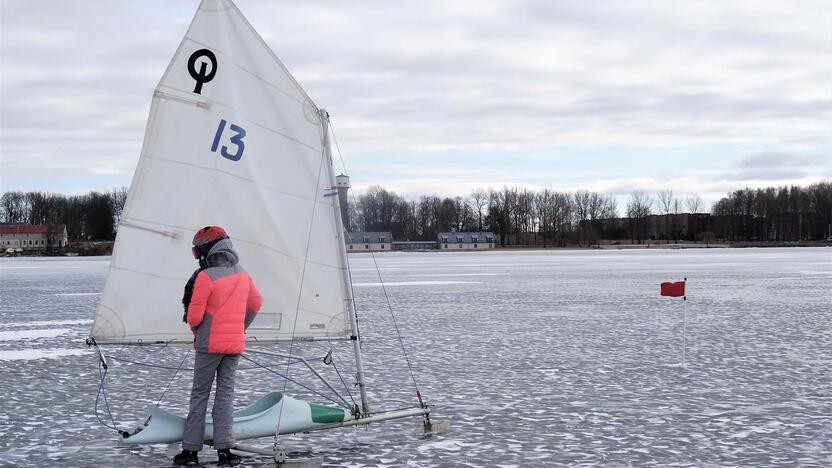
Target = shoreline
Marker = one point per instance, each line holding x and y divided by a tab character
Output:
676	246
651	246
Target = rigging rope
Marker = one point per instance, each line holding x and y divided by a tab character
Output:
383	287
287	379
349	393
102	376
174	376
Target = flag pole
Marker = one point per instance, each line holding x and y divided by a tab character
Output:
685	328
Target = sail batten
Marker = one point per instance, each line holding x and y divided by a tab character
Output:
206	104
177	233
231	140
316	199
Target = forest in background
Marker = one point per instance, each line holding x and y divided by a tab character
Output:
93	216
519	216
549	217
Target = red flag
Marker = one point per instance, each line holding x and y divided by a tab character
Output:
676	289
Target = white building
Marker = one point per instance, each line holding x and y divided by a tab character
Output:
32	237
342	183
465	240
368	241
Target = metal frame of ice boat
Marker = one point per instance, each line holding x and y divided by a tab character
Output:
259	419
263	418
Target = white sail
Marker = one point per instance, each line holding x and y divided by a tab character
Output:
232	140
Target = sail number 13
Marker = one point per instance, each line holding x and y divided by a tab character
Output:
236	140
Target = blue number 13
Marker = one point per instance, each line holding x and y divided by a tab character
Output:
236	140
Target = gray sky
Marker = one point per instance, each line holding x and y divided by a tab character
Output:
444	96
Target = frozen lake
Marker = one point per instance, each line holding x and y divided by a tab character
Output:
538	358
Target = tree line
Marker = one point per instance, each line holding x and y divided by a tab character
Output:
556	218
520	216
775	214
94	215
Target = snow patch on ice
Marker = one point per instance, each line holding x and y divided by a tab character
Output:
414	283
32	354
44	323
12	335
432	275
79	294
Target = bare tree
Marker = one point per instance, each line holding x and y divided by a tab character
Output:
545	212
666	199
480	198
606	222
581	201
119	199
524	212
427	213
675	221
353	218
694	205
610	208
562	217
14	207
638	209
693	202
590	208
501	205
464	216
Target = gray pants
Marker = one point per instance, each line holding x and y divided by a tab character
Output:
206	365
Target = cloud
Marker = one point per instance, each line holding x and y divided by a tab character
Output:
413	80
777	159
763	174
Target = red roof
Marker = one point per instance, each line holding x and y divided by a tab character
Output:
31	228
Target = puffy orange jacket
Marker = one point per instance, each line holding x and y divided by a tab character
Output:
224	303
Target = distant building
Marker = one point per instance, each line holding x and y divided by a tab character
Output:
465	240
414	245
33	237
368	241
342	183
682	226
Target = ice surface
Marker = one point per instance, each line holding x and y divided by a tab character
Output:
558	358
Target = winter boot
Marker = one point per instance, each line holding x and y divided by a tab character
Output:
226	458
186	458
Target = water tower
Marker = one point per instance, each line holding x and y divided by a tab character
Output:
342	182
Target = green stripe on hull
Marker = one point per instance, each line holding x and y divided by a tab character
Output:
324	414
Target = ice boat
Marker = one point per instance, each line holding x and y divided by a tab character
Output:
233	140
259	419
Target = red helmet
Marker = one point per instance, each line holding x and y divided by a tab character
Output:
209	234
205	238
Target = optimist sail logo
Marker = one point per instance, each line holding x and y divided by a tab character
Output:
203	75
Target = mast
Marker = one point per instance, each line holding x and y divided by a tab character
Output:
345	274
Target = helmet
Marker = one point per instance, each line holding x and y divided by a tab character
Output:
209	234
205	238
